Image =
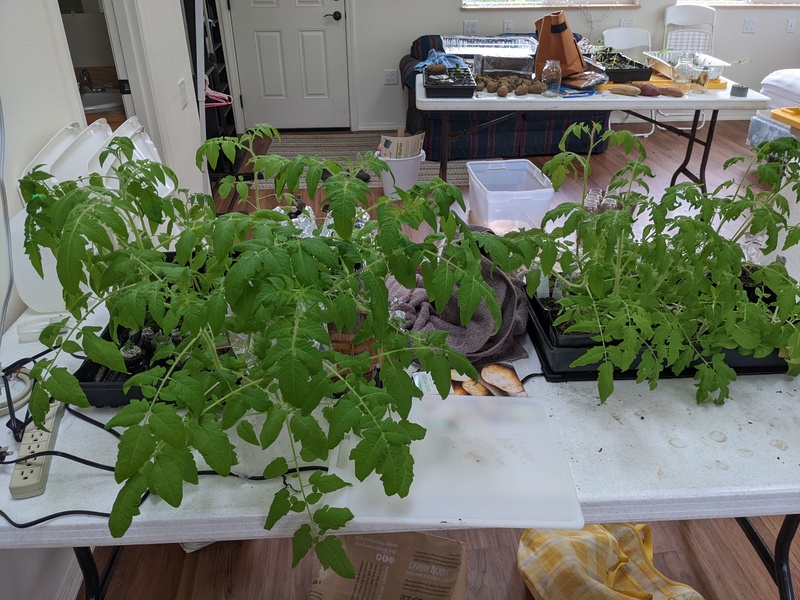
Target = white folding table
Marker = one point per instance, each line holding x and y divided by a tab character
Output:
714	100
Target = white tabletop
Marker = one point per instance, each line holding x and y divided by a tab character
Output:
601	100
641	456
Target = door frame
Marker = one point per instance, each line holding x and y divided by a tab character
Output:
229	47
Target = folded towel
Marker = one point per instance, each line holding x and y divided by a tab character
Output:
477	340
451	61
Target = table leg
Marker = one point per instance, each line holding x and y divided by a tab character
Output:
444	146
95	588
692	137
777	564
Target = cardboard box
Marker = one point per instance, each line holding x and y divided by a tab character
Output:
397	566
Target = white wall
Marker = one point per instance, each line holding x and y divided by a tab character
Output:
38	92
384	30
160	61
88	38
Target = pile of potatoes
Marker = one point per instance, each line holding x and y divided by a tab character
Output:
503	86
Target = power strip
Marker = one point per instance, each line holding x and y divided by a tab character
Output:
30	476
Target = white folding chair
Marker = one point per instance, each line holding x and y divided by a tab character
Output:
630	41
689	28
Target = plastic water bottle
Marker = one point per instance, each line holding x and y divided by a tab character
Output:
551	77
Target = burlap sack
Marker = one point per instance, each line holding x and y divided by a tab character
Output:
556	42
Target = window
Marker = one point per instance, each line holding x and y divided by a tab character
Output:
741	2
545	3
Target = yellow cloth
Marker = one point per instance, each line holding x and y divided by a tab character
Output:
598	562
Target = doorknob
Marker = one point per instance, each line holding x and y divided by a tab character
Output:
337	16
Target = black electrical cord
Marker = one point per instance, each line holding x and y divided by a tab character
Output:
72	457
92	421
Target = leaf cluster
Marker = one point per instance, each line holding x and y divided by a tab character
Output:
668	295
255	300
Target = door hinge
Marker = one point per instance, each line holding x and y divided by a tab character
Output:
124	86
229	5
241	101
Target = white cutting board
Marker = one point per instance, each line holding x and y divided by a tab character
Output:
484	462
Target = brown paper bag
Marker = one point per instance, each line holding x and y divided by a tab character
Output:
398	566
556	42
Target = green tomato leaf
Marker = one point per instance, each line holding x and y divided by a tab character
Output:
126	505
276	468
605	380
301	543
280	507
167	424
210	440
332	556
64	387
166	478
132	414
329	483
397	471
331	519
276	417
369	453
136	447
310	434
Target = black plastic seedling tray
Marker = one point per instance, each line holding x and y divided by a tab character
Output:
455	83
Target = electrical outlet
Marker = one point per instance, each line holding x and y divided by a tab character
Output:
749	25
790	25
508	26
470	28
30	476
390	77
626	22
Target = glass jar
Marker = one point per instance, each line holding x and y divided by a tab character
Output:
682	74
593	199
551	77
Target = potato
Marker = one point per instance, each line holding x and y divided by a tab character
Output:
648	89
671	90
536	87
521	90
502	91
437	68
492	87
480	86
626	90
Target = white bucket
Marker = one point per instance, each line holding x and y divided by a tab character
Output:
405	171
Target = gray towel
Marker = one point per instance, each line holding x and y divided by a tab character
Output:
477	341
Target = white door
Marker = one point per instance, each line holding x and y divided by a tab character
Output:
292	58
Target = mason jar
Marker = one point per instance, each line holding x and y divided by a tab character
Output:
551	77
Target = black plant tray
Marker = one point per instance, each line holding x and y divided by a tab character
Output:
456	83
632	71
556	360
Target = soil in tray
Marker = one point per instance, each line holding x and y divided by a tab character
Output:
104	387
455	83
620	69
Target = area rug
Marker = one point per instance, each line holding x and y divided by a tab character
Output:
347	145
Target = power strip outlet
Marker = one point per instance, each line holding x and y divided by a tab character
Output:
30	476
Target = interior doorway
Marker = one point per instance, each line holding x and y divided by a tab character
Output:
97	60
293	63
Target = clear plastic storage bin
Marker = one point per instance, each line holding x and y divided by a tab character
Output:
506	195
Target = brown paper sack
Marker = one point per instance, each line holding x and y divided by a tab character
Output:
556	42
397	566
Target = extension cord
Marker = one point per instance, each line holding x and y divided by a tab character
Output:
30	476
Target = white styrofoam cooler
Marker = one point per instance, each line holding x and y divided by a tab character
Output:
506	195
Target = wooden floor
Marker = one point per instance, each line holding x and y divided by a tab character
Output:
713	556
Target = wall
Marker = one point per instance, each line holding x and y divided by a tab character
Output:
89	43
384	30
38	92
160	61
